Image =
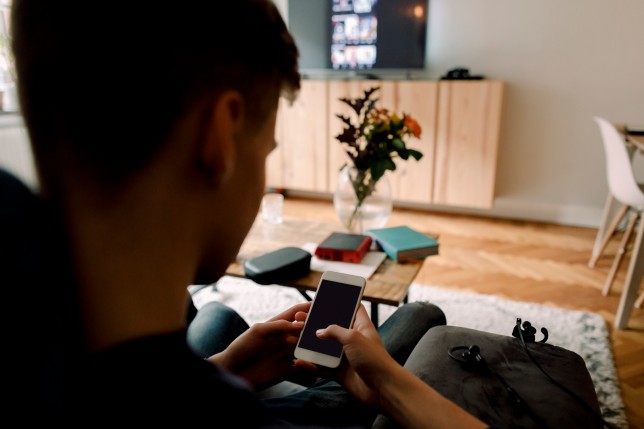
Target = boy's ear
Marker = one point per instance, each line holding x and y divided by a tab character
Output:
218	148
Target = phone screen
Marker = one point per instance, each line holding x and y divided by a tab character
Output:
334	305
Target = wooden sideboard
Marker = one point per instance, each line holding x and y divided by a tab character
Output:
460	123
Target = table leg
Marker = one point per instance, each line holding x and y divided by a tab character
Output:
305	295
374	313
374	310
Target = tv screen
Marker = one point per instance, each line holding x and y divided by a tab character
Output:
377	34
367	36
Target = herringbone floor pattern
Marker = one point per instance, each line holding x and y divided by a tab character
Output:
524	261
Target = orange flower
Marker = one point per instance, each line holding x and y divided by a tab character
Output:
413	126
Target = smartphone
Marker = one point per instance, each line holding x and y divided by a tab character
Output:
336	302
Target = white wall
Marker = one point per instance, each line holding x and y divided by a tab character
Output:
563	63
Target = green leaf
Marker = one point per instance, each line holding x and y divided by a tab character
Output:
379	167
344	119
399	144
417	155
391	165
359	104
377	171
347	135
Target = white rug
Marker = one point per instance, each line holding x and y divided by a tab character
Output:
582	332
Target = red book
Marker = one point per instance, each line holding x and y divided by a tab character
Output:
344	247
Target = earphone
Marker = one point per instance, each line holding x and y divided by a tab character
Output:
470	358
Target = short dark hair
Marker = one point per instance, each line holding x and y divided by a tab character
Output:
112	82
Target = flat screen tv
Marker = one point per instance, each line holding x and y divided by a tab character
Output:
364	36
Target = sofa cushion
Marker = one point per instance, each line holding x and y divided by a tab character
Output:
507	389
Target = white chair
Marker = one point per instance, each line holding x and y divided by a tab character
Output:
624	188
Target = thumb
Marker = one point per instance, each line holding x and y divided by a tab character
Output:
334	332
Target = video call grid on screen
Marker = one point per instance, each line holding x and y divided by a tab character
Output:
369	34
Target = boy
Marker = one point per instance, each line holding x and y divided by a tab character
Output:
150	127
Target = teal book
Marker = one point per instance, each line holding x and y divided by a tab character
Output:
401	243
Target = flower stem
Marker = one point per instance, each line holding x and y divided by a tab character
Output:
355	214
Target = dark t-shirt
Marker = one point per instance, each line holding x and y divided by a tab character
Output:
48	378
158	379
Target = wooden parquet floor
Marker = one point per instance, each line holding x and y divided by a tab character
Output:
524	261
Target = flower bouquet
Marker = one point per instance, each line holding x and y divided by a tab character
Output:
372	143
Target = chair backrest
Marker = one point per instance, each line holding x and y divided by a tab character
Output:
619	169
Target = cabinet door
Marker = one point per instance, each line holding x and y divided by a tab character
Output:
301	158
469	114
413	181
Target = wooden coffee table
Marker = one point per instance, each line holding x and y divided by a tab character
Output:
389	284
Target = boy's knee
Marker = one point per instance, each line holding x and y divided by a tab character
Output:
427	311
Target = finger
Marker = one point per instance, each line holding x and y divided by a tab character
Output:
286	342
302	366
362	317
334	332
364	325
303	371
289	314
277	327
305	366
291	340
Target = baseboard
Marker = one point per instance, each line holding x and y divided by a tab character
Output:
569	215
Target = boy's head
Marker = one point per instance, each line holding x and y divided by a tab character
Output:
102	87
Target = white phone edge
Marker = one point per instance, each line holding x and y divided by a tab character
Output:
321	358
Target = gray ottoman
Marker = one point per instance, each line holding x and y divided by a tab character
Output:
501	384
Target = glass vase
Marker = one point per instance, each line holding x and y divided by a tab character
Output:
360	202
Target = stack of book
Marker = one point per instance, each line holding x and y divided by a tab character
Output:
344	247
402	243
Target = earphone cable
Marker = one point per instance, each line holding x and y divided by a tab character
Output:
558	384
